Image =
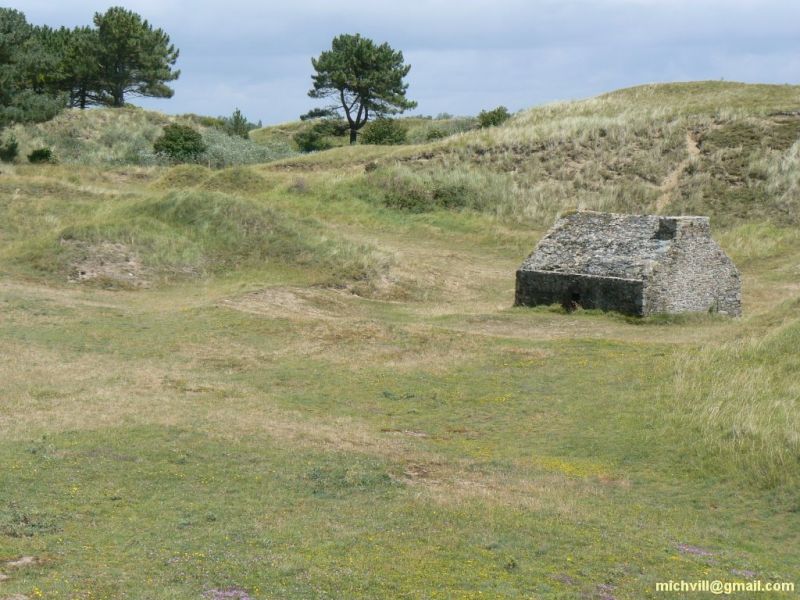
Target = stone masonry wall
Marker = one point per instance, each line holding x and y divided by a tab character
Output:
605	293
695	275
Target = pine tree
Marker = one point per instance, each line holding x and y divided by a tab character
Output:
134	59
80	66
237	124
365	80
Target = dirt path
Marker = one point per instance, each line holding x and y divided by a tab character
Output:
670	183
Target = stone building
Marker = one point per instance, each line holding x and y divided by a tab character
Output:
634	264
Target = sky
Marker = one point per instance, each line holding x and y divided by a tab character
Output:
465	55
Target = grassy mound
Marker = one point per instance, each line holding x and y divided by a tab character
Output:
140	241
183	176
238	180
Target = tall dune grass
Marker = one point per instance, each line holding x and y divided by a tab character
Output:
738	404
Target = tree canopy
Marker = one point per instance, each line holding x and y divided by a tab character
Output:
364	79
79	69
42	69
133	59
24	92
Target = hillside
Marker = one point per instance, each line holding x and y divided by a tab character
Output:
304	377
723	149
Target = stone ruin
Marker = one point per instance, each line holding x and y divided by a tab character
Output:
633	264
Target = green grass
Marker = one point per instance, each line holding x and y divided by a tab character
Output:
323	390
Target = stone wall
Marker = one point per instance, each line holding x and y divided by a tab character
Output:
695	275
536	288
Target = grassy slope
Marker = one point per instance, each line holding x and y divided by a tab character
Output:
410	435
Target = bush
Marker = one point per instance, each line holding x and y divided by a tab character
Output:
41	155
494	117
318	136
435	134
180	143
9	150
383	131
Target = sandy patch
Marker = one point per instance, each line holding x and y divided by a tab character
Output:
106	262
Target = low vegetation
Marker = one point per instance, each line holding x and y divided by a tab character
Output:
126	136
305	378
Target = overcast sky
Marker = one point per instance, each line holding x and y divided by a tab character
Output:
464	55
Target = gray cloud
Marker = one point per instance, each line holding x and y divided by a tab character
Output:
465	55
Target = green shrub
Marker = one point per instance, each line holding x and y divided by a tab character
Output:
318	136
9	150
435	134
384	132
491	118
41	155
180	143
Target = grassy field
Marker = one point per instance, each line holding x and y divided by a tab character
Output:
305	378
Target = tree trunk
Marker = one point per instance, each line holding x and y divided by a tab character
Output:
118	97
353	135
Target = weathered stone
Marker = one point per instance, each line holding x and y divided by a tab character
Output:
634	264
